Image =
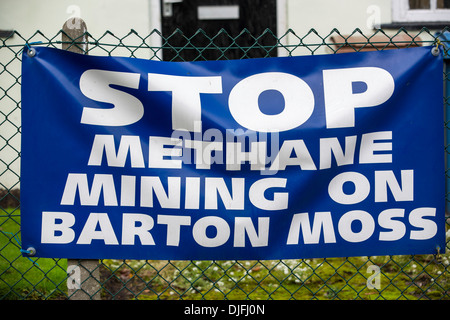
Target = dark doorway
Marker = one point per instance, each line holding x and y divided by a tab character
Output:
218	29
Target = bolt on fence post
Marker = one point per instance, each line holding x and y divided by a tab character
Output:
83	281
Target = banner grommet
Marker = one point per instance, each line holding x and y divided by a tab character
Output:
31	52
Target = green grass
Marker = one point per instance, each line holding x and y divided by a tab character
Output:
23	278
401	277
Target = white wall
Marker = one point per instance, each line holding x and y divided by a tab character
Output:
345	15
48	16
326	15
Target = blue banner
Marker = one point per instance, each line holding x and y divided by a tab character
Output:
278	158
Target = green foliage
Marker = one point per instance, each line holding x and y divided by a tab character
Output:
23	278
401	277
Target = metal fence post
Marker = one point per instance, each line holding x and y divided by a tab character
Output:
83	282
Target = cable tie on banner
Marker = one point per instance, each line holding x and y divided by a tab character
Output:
30	251
31	52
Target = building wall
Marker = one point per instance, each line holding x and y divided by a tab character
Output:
324	16
345	15
48	16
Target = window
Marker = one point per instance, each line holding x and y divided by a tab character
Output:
6	33
420	10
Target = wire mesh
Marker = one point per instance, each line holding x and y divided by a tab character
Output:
383	277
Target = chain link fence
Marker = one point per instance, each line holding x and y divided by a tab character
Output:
409	277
